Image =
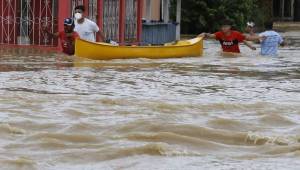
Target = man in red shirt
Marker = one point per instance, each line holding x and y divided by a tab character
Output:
67	37
229	39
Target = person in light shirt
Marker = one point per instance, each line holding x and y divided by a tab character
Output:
86	28
270	40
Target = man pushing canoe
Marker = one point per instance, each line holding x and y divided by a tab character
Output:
85	27
67	37
229	39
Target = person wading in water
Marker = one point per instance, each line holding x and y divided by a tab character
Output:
250	28
270	40
229	39
67	37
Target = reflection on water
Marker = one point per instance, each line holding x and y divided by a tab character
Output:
61	112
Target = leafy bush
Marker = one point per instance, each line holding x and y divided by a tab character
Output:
207	15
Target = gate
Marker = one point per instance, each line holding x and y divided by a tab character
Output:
131	21
22	22
92	15
111	18
39	14
9	29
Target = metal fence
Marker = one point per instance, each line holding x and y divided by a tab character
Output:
131	21
22	22
111	18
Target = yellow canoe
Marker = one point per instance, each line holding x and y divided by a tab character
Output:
104	51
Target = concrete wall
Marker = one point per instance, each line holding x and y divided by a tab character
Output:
155	10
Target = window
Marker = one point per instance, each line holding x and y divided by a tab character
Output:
287	8
277	8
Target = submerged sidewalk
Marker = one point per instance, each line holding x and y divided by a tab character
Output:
290	31
292	38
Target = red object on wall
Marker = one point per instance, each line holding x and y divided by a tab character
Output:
63	12
100	16
86	5
139	20
122	21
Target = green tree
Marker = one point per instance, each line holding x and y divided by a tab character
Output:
207	15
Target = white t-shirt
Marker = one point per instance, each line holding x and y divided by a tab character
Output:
86	30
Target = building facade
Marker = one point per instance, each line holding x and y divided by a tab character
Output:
22	21
155	10
157	26
286	10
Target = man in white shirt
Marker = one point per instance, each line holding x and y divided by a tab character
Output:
85	27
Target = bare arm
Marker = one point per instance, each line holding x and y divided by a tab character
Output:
52	35
282	43
101	35
255	38
207	35
248	44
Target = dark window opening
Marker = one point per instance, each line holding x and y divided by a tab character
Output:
297	10
277	8
287	8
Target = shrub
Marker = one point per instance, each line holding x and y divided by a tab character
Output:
207	15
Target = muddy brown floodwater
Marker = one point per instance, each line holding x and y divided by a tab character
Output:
61	113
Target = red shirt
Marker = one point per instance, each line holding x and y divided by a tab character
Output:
67	42
230	43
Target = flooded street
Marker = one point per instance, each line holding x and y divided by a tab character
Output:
192	113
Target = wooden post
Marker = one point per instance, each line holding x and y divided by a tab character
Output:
166	12
178	20
148	10
122	21
139	20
